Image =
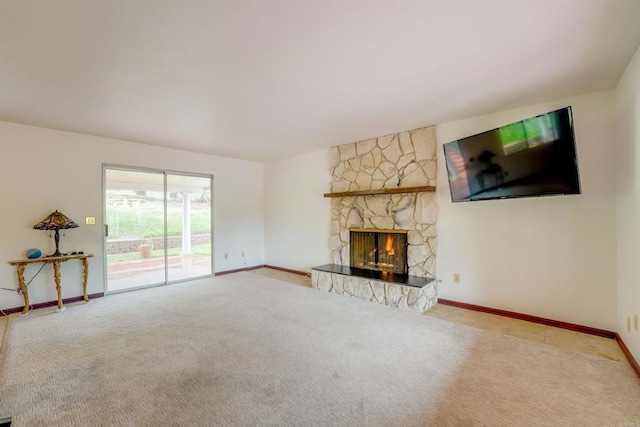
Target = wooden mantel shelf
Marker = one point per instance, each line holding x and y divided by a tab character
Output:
423	189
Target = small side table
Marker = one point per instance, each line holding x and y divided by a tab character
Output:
56	261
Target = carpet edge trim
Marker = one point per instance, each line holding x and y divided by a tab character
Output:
52	303
555	323
238	270
529	318
634	363
256	267
288	270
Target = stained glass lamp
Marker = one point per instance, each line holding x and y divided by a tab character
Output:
56	221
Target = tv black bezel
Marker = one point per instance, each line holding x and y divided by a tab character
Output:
571	130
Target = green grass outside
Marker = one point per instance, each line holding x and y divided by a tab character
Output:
147	223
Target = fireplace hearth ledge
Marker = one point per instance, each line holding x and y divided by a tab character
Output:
408	292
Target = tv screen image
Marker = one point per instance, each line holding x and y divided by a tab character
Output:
529	158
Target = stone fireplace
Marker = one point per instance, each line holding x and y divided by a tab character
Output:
385	186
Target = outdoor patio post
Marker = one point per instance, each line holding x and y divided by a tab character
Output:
186	223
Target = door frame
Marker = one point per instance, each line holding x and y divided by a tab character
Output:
164	172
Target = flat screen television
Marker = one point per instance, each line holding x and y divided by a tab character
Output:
533	157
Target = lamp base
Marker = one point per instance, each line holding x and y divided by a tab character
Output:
57	239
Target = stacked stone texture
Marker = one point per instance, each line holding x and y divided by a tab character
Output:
406	159
391	294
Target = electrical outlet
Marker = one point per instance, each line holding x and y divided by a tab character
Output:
226	256
456	277
635	322
628	324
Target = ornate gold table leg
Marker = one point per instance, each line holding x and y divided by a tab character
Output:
23	289
85	276
56	276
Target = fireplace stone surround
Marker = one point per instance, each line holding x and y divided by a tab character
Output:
399	161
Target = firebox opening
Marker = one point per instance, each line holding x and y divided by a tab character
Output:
379	250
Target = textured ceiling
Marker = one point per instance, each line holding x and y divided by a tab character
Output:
264	79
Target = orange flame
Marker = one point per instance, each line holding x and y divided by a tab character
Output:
389	246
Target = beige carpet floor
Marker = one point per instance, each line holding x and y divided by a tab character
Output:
249	350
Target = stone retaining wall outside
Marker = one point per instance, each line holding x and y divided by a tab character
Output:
123	246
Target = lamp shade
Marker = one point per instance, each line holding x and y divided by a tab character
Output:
55	221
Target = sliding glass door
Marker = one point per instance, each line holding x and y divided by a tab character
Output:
158	227
189	227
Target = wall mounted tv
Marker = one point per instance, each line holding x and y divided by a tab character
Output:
533	157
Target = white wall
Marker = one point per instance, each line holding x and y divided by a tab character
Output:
553	257
42	170
297	216
628	113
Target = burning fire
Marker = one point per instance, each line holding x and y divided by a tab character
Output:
389	246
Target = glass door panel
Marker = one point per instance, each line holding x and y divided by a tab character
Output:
135	228
189	244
